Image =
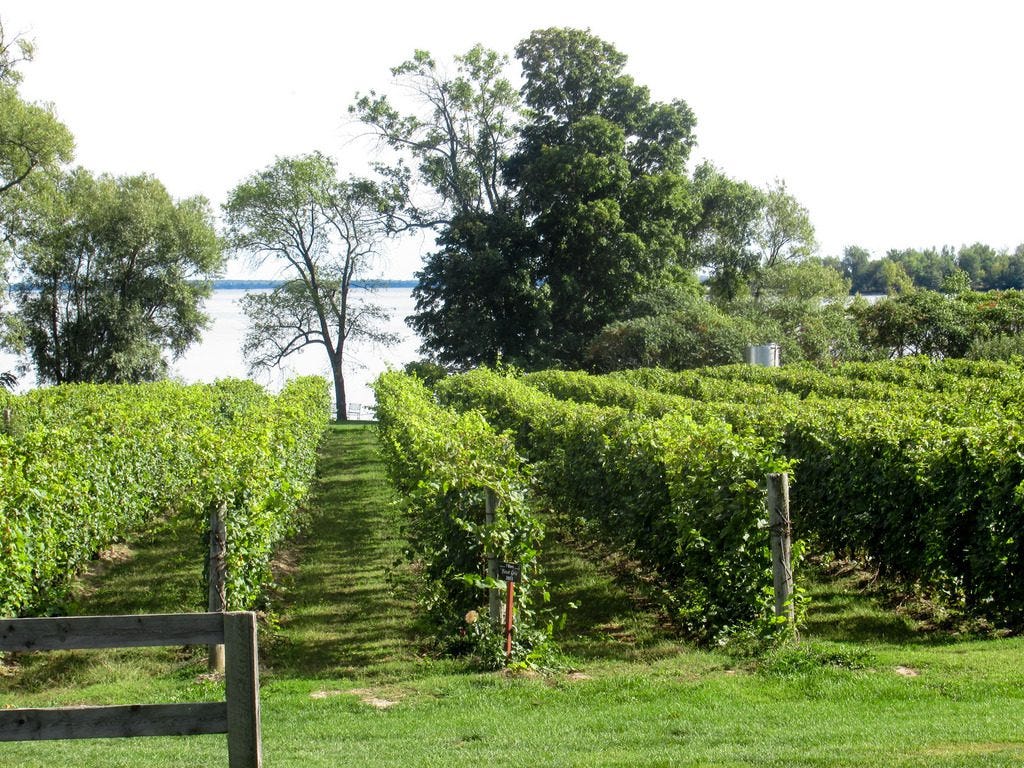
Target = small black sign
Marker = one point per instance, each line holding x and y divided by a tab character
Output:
510	571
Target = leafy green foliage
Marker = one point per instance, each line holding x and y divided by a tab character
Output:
553	220
476	298
114	277
32	140
693	336
976	266
443	463
33	146
912	464
477	301
33	143
459	132
84	465
785	233
600	172
939	325
684	499
724	236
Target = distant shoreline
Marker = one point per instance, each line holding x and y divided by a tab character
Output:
240	285
258	285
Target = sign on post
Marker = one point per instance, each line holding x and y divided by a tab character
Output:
510	572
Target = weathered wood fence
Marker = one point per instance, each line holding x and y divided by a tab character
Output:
238	716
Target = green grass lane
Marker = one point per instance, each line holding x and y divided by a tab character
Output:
344	608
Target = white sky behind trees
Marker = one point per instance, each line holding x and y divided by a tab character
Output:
897	124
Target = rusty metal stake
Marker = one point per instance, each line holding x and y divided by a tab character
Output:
509	594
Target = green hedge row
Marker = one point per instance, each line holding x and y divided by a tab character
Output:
82	466
684	498
963	391
927	483
654	392
443	463
927	501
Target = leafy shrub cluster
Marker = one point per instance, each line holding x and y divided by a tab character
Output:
696	334
81	466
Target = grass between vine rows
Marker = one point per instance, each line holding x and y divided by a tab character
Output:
346	680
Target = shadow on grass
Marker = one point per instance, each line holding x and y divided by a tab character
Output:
341	612
346	616
844	610
846	617
162	573
40	672
607	614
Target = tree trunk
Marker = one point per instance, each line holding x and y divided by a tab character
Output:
339	391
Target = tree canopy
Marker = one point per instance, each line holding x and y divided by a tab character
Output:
476	296
570	226
33	141
33	146
556	208
600	173
324	232
115	272
459	137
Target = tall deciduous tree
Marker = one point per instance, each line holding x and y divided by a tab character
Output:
459	132
31	140
784	232
115	272
14	50
724	239
600	172
33	143
477	298
33	146
540	248
325	233
745	232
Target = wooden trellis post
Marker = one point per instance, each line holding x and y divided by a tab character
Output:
218	590
781	544
494	598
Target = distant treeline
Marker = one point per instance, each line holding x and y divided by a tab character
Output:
258	285
987	268
254	285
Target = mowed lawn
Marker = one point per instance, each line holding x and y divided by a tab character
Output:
348	681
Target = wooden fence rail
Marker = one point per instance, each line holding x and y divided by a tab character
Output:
238	716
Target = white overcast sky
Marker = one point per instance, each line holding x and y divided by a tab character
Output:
897	124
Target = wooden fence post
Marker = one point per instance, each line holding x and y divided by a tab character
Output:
218	591
494	598
779	526
242	686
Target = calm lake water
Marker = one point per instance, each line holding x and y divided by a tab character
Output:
219	354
